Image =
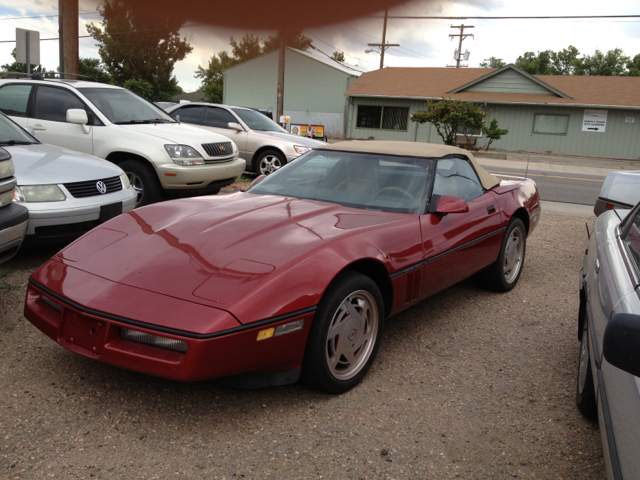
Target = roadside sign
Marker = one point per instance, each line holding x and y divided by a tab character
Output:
27	46
594	121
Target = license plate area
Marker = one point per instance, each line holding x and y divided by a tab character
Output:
107	212
82	334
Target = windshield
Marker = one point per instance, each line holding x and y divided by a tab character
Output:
121	106
257	121
13	134
358	180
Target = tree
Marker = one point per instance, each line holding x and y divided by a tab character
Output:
633	67
212	76
92	67
294	40
536	64
136	45
492	132
338	56
140	87
493	62
452	118
564	61
612	63
248	48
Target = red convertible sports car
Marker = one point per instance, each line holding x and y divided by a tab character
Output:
292	279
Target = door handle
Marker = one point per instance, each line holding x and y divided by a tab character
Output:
491	209
597	265
39	127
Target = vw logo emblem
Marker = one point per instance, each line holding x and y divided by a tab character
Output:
102	188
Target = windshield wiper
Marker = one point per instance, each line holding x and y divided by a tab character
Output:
152	120
15	142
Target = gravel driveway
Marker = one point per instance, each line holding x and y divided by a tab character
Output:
468	384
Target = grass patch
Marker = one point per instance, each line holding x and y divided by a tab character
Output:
245	179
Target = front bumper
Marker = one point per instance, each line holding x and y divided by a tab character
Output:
175	177
13	226
230	352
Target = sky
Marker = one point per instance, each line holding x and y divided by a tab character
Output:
423	43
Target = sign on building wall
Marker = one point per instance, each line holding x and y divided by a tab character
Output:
630	120
311	131
594	121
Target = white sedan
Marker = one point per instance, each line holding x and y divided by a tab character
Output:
67	193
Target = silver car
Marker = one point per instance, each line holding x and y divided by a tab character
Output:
13	217
621	189
608	387
264	144
67	193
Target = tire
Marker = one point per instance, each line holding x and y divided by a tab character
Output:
504	273
585	390
144	181
342	346
268	162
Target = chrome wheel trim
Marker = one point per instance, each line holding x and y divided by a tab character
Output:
269	164
138	186
513	255
352	335
584	361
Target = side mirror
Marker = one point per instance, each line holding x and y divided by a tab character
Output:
78	116
621	342
258	180
447	204
235	126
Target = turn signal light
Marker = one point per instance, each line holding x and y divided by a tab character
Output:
280	330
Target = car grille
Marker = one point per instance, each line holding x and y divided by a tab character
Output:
68	229
220	149
90	189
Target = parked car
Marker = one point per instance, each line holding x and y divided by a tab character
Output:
264	144
66	193
621	189
13	218
159	155
608	387
294	278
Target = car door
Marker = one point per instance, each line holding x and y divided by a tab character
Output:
458	245
14	102
48	119
216	120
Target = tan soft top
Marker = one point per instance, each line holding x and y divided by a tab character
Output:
412	149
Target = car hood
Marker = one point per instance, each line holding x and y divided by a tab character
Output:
177	133
215	250
298	140
40	164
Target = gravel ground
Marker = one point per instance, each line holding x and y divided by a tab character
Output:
468	384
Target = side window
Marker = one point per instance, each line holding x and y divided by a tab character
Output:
632	239
189	114
52	103
14	99
457	178
217	117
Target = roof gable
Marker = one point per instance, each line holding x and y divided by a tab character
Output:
509	79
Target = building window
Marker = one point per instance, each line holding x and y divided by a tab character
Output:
550	124
385	118
471	132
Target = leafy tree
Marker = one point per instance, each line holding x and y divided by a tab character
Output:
633	67
612	63
294	40
564	61
492	132
136	45
248	48
493	62
92	67
536	64
140	87
452	118
212	76
338	56
21	67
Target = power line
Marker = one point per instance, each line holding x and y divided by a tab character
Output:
45	16
335	48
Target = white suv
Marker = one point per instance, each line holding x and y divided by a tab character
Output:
158	154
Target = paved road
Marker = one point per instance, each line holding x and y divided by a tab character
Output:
557	183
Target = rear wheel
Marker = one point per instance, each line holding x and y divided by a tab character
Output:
144	181
345	334
585	390
504	273
269	161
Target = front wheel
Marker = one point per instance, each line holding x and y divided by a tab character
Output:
345	334
144	181
269	161
504	273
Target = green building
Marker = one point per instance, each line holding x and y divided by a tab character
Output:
314	88
570	114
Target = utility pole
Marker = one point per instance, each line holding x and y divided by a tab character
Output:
281	54
383	45
68	34
462	37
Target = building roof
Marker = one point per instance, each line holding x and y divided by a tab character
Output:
436	83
